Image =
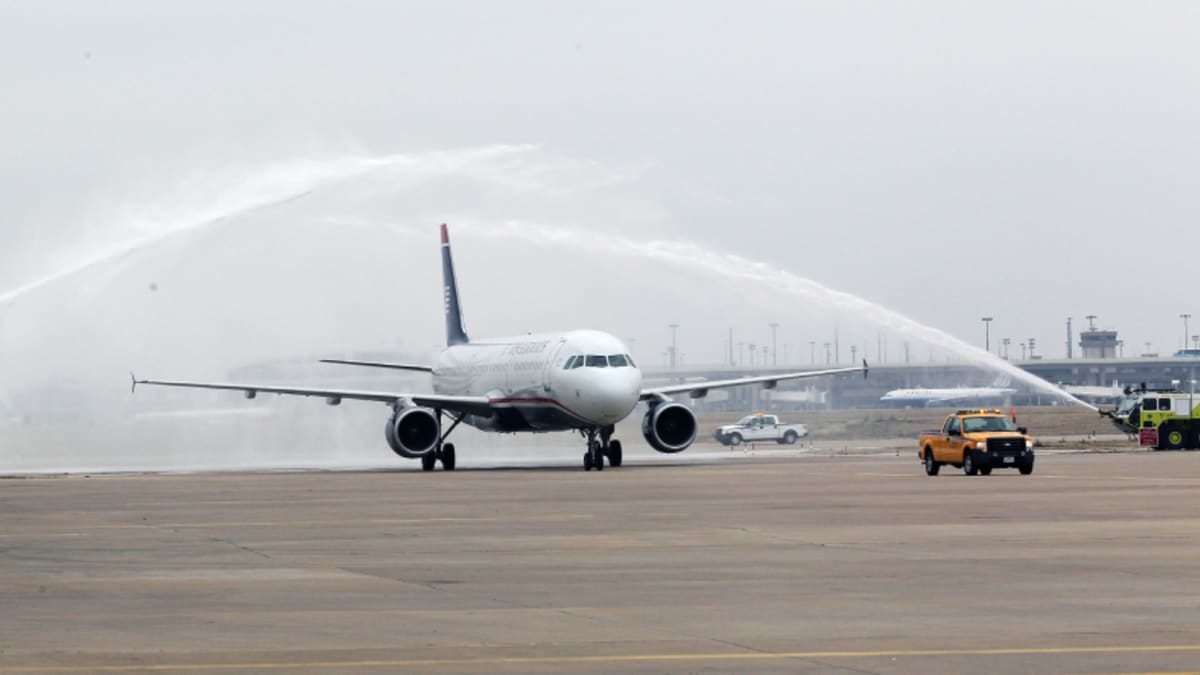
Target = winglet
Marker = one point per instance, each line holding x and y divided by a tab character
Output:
865	369
132	382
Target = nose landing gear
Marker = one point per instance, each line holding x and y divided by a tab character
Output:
600	449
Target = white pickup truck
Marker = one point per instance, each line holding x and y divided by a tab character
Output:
759	427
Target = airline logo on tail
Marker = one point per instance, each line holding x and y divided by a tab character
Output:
456	333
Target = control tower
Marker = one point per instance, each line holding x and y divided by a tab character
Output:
1098	344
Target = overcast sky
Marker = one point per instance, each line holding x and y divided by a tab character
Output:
1029	161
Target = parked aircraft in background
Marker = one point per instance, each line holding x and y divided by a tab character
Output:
1096	394
580	380
932	398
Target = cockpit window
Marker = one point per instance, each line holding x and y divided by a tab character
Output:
630	360
618	361
594	361
570	362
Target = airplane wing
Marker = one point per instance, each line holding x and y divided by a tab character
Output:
700	389
475	405
381	364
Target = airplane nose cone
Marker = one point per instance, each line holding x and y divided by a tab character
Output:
616	396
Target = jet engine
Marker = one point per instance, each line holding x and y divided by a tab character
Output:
413	432
669	427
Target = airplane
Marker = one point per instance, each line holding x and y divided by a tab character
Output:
578	380
1097	394
932	398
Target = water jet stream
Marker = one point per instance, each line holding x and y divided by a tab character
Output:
272	186
705	262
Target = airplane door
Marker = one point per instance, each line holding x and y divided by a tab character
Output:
552	362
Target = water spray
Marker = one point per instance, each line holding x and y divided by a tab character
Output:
702	261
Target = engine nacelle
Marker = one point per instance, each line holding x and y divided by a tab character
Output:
413	432
669	427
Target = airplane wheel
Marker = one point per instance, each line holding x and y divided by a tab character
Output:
597	454
587	460
428	461
448	457
614	453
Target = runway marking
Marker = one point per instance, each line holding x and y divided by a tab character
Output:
368	521
614	658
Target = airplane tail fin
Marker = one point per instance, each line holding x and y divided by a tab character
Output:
456	333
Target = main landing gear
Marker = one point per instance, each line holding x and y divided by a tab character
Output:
598	449
442	451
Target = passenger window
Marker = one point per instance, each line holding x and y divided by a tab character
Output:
594	361
617	361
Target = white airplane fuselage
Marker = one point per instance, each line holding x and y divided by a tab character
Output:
936	397
525	379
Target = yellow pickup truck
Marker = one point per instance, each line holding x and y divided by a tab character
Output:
977	441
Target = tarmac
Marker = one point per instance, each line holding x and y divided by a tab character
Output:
764	562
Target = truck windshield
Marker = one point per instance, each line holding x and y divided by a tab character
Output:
973	424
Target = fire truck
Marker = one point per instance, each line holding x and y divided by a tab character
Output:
1163	419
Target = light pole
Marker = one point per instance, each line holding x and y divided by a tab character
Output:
1070	337
741	353
673	327
753	349
1032	342
1185	318
1022	351
987	333
827	356
853	353
812	351
775	345
1006	342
